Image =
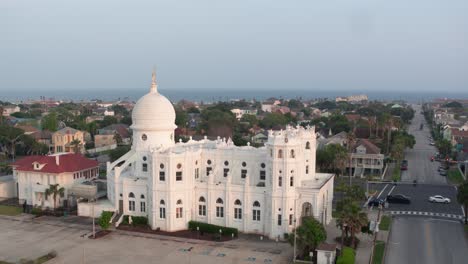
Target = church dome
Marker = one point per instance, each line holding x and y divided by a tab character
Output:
153	111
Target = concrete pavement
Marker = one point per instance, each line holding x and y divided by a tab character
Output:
22	237
426	240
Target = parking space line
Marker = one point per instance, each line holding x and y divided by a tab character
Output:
385	187
391	190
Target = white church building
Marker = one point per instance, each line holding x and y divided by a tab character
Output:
256	190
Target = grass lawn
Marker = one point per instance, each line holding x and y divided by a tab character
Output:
10	210
385	222
455	177
378	252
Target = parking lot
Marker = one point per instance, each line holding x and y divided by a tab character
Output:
33	238
419	195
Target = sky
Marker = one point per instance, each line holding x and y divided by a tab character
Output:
349	45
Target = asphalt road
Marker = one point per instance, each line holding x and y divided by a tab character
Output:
419	196
420	167
426	240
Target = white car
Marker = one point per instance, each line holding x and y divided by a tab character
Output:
439	199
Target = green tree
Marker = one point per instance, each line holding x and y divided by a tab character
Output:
50	122
9	137
118	152
462	198
181	117
445	147
107	121
295	104
76	143
309	235
55	191
251	119
118	138
272	120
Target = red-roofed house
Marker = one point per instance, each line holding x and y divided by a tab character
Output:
34	174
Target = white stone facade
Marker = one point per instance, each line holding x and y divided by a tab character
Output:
257	190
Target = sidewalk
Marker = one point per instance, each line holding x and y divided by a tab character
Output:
364	249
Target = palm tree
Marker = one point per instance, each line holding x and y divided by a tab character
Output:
350	138
117	138
10	136
55	191
76	145
357	220
462	197
352	219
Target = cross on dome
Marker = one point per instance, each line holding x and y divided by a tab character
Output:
154	85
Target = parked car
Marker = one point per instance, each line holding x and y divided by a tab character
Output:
404	165
443	172
376	201
432	143
439	199
398	198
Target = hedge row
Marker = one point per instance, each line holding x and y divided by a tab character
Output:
347	257
136	220
213	229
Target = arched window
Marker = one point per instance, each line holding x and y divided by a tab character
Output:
219	208
291	181
280	181
179	209
280	154
238	210
142	196
306	209
202	206
162	202
293	154
131	203
256	211
308	145
162	209
307	169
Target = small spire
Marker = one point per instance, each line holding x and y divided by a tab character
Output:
154	85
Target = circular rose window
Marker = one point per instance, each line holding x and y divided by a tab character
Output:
144	137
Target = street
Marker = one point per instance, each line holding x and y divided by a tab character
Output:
422	238
426	240
420	167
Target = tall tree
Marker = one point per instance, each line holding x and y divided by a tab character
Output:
10	136
76	144
462	197
55	191
308	235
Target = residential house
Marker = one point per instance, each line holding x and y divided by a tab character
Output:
366	159
34	174
107	135
10	109
239	112
62	139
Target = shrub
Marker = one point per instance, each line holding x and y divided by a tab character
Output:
139	220
136	220
213	229
347	257
105	219
36	211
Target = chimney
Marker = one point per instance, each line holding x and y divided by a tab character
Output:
57	160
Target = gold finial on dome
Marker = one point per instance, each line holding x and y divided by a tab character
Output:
154	86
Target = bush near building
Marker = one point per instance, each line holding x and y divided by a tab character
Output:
136	220
104	220
348	256
213	229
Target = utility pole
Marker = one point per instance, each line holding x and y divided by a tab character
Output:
376	230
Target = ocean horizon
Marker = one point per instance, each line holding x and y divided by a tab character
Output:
200	95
